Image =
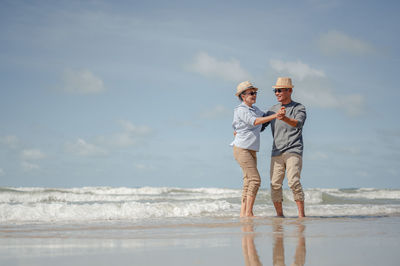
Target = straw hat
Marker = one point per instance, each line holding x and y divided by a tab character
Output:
283	82
244	86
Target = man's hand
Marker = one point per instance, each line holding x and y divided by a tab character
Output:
281	113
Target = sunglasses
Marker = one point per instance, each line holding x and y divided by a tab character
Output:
251	93
280	90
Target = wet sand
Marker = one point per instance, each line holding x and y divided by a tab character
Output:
206	241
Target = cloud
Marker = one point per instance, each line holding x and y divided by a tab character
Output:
2	173
32	154
29	167
321	95
141	166
135	130
313	88
323	4
390	138
9	141
82	82
218	111
211	67
28	156
297	69
337	43
130	135
318	155
389	133
82	148
362	173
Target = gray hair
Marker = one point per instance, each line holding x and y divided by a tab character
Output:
240	97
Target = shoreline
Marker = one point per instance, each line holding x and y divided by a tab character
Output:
207	241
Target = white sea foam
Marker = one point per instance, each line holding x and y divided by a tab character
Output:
105	194
353	210
25	205
45	212
365	193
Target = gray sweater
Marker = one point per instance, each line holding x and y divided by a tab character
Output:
287	138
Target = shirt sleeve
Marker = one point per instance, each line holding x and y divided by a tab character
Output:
300	116
265	125
246	116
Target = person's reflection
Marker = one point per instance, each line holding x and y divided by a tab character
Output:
279	251
249	249
300	255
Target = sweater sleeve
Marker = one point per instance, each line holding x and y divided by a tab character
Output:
300	115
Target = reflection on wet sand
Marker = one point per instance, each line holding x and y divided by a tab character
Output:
279	250
250	254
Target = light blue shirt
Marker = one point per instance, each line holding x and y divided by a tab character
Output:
247	134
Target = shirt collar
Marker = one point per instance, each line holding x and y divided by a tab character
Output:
248	107
289	104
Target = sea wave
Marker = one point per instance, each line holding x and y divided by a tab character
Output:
109	194
25	205
56	212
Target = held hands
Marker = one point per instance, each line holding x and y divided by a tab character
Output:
281	113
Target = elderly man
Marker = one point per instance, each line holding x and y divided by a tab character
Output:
287	148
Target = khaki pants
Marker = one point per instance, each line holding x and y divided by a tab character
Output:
292	164
247	160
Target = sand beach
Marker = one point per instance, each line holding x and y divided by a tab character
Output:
207	241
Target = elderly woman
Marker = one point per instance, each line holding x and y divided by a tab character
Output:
247	122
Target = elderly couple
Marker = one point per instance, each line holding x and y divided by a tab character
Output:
286	119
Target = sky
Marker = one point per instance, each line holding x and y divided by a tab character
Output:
141	93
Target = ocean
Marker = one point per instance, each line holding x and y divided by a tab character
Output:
196	226
98	204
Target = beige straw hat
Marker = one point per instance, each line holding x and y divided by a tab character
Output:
244	86
283	82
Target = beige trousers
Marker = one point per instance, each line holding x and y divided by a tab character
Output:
291	163
247	160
